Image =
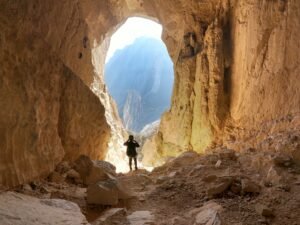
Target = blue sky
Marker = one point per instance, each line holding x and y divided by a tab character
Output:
133	28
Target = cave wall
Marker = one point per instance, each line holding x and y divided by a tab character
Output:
48	113
265	67
236	68
237	74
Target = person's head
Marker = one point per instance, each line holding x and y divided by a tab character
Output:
131	137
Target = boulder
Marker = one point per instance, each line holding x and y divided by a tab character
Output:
209	214
219	186
92	171
19	209
141	218
249	186
106	192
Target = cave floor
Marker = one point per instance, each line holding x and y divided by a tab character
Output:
241	183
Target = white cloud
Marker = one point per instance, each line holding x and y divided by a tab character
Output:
133	28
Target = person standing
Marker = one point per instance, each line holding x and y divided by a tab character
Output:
131	151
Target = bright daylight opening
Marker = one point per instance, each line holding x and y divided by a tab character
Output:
139	76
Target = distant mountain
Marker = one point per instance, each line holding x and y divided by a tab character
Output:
140	79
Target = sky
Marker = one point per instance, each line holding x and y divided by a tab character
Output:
133	28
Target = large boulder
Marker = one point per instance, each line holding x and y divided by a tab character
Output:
220	186
19	209
92	171
106	192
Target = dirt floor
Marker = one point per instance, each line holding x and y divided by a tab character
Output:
240	182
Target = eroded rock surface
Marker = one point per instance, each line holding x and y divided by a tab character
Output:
19	209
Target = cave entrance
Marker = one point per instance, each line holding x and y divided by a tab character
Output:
139	76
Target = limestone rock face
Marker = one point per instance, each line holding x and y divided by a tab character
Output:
45	104
20	209
82	125
236	74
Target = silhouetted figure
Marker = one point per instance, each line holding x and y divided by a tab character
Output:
131	150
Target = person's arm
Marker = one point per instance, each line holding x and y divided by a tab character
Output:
136	144
126	143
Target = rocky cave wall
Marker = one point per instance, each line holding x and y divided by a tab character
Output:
236	69
237	77
48	113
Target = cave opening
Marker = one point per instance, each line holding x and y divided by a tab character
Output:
139	73
139	76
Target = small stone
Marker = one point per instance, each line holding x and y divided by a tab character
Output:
227	154
273	178
209	178
75	176
284	187
283	160
236	187
264	210
27	187
44	190
172	174
55	177
178	220
63	167
249	186
218	164
160	180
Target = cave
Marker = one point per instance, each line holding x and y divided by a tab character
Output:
230	136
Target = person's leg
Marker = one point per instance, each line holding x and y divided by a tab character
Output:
135	163
130	162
